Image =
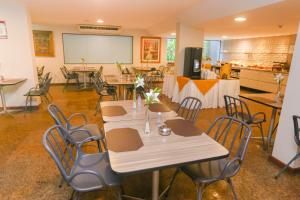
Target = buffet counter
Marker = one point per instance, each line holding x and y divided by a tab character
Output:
261	80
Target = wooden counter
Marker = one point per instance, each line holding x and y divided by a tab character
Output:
261	80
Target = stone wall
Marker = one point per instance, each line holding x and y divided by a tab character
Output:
261	51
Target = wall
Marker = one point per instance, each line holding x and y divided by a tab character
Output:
261	51
16	52
186	37
52	64
285	147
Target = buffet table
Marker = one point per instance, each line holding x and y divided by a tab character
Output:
210	92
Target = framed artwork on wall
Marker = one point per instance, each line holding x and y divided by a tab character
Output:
150	49
43	43
3	30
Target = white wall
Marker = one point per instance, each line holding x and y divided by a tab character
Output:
52	64
16	52
186	37
285	147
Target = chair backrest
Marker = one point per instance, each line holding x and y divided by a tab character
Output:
64	71
98	84
237	108
40	71
296	129
226	130
58	116
59	150
43	80
189	108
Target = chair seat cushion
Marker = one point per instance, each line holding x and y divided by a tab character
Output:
250	120
98	163
208	171
92	128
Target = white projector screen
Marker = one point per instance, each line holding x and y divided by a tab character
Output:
97	49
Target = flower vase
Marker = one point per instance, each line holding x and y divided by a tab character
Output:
278	94
134	99
147	123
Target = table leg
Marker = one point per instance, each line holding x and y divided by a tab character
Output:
3	100
84	80
124	92
272	122
155	185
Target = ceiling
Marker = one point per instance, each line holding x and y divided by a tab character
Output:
160	16
277	19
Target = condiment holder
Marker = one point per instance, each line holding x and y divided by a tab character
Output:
164	130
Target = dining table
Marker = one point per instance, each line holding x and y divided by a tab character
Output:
84	71
268	100
5	83
120	81
132	151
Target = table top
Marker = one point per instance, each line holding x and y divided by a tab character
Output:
162	151
146	69
267	99
11	81
134	114
83	69
118	80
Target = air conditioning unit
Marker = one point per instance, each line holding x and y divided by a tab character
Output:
103	29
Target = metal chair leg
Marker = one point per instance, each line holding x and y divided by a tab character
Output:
166	191
200	188
98	106
232	188
287	165
262	135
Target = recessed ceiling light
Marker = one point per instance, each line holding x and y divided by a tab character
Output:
240	19
224	36
173	33
100	21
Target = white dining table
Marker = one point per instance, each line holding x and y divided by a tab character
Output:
158	152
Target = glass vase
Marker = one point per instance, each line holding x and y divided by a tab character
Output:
147	122
134	98
278	94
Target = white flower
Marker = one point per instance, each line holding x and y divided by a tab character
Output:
139	82
279	77
152	96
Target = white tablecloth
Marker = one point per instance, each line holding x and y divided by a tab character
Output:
212	99
168	85
228	87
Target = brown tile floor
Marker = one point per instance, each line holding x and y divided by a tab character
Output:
27	172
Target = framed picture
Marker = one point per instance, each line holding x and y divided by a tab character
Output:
3	30
150	49
43	43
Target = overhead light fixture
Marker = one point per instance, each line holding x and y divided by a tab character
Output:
240	19
100	21
173	34
224	36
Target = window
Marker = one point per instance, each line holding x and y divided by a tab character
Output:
171	47
211	51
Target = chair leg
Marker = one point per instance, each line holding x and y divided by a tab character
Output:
262	135
166	191
26	103
287	165
232	188
75	195
78	83
99	146
200	188
98	106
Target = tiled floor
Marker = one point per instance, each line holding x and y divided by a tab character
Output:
27	172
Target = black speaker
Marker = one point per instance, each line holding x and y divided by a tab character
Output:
192	62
